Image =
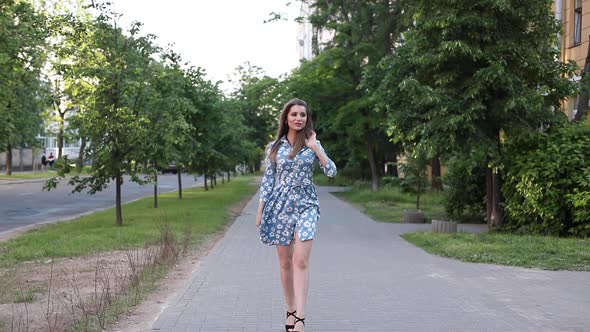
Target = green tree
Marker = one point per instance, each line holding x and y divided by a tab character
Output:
164	110
203	121
233	142
259	100
363	33
62	18
23	32
115	69
471	72
69	54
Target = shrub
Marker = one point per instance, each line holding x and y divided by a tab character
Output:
415	178
391	181
465	187
547	181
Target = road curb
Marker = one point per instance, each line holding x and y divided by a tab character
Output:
20	181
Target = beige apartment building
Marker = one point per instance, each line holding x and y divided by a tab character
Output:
574	16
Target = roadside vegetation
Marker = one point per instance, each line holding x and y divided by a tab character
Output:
83	274
494	247
41	174
27	175
417	114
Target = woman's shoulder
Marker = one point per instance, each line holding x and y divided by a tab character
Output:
269	146
278	141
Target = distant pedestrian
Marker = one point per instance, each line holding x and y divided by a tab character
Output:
289	208
50	159
43	161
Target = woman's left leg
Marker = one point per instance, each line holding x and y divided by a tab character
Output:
285	254
301	254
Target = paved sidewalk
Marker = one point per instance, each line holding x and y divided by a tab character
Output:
365	277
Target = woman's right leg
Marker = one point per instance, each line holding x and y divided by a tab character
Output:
286	264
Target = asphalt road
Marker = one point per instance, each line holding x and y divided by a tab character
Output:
26	204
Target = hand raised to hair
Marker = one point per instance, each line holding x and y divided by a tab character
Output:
311	141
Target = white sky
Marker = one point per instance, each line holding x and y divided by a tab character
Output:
220	35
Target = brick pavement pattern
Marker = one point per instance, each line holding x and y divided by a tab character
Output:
366	278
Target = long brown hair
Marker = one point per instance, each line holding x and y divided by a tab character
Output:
284	129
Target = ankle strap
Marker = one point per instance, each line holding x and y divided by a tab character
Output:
289	314
297	319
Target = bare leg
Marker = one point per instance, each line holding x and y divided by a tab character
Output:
286	262
301	255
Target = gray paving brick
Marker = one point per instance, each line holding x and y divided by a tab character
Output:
365	277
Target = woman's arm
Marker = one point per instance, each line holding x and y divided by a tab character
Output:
259	213
267	185
326	164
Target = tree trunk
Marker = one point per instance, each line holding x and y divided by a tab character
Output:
205	181
393	171
80	163
581	107
179	183
436	174
419	192
21	163
494	211
497	211
372	164
228	174
155	189
9	159
33	159
60	135
215	179
119	182
489	196
211	181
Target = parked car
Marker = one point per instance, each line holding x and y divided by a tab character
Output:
171	168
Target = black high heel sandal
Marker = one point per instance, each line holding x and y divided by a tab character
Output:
290	328
297	319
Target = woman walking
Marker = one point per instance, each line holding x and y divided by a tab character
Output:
289	210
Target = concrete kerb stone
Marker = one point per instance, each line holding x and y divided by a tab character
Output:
20	181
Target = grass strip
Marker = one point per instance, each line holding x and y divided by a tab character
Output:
388	204
322	180
205	211
32	175
41	175
534	251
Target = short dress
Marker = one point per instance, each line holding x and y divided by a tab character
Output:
291	198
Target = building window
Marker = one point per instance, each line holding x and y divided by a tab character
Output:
577	22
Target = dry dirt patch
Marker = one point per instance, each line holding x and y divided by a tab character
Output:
61	291
58	293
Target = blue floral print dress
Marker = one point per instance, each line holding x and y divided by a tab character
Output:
291	198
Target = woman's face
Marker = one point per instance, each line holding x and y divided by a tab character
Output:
297	117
